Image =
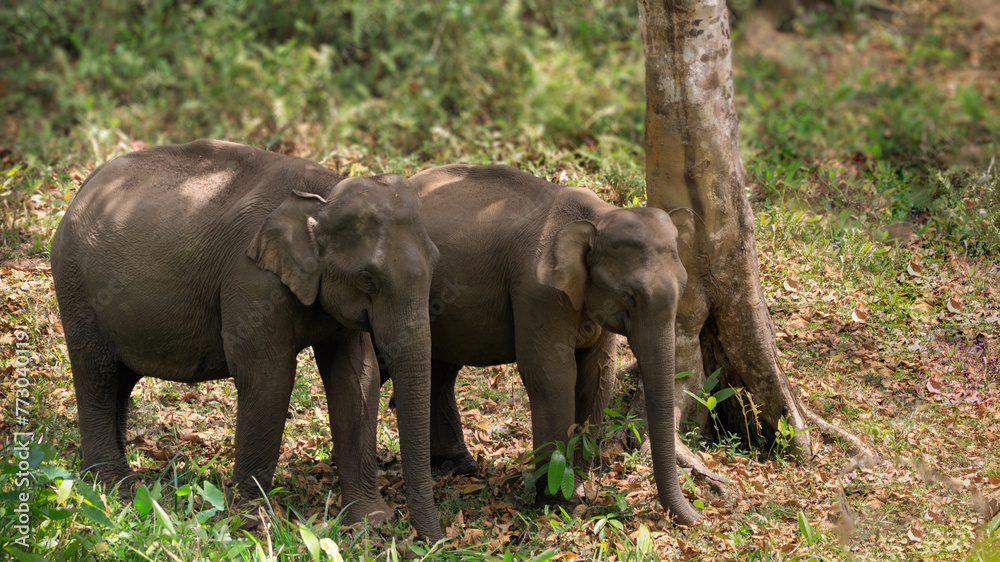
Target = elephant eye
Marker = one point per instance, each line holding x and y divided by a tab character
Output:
366	282
628	298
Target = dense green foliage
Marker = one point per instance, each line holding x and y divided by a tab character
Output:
404	76
539	83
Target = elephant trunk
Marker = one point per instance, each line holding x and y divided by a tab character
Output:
654	351
405	348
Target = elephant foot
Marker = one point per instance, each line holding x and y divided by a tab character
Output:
457	465
122	481
375	511
246	503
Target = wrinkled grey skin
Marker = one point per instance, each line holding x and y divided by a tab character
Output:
210	260
545	275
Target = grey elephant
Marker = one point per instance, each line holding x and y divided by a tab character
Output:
210	260
545	276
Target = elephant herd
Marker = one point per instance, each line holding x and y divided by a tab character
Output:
211	260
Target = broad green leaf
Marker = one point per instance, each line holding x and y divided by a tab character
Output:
183	490
589	447
212	495
683	375
53	471
90	494
698	503
805	529
206	514
711	403
96	515
570	449
142	502
62	493
635	431
724	393
712	380
557	467
568	483
312	543
58	513
36	455
644	540
164	519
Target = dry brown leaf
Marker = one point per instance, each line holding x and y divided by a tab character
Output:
706	458
915	533
934	384
194	437
791	284
859	315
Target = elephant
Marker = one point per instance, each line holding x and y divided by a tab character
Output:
546	275
210	260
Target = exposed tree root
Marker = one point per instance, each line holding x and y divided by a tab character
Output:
687	459
857	448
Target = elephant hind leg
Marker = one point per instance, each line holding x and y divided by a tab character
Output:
127	379
102	387
449	453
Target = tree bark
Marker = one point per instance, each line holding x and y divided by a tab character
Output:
693	162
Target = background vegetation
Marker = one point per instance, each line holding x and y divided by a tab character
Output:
869	137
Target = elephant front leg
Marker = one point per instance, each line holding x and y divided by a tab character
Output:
547	361
264	389
349	370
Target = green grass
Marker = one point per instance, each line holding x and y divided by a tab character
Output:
851	126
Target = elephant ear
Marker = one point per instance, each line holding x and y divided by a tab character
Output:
683	219
563	263
286	244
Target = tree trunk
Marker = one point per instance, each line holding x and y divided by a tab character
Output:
693	161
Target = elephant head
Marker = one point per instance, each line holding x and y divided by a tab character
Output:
625	274
362	255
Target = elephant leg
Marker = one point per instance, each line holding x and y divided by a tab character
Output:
448	450
99	389
264	388
596	378
127	379
350	376
547	362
